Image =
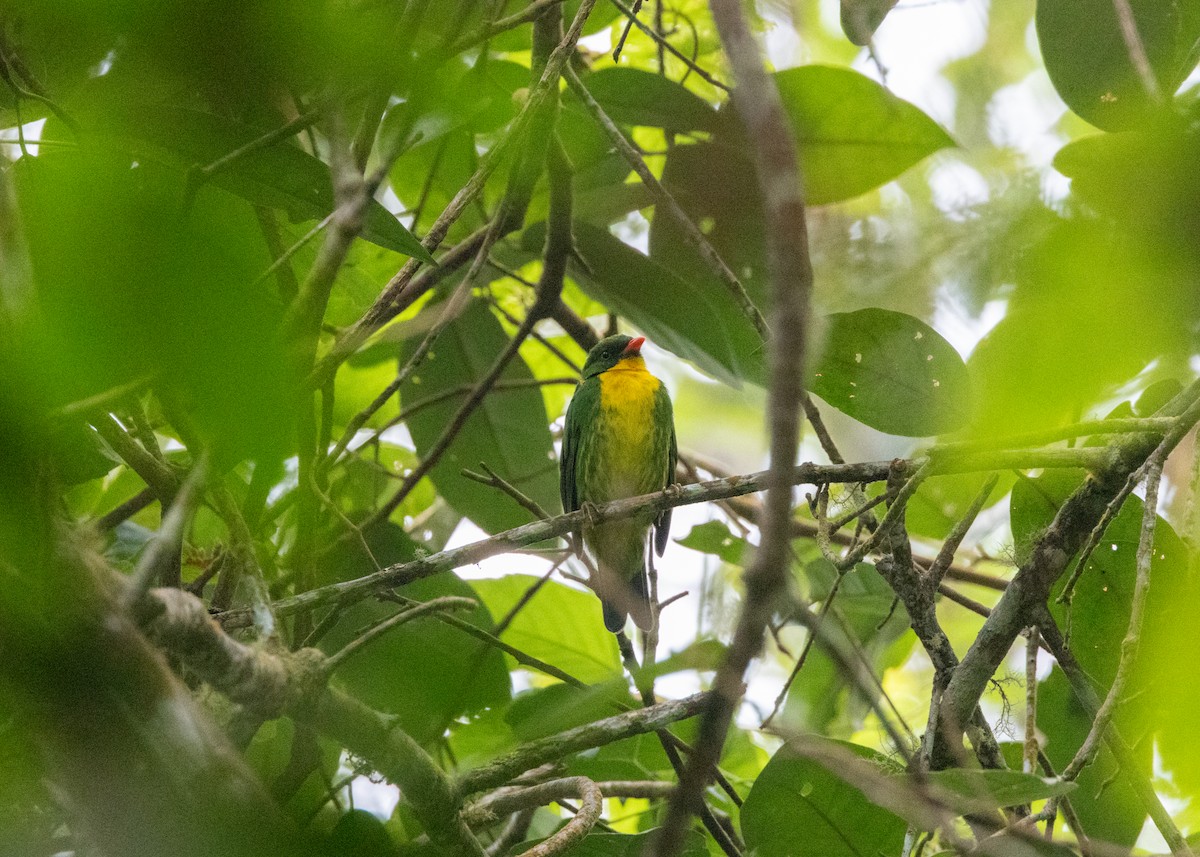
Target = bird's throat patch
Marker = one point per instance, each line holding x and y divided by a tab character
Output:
627	394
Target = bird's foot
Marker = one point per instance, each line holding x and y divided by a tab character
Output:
590	511
673	490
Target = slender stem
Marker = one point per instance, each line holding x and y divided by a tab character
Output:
404	616
1133	634
790	274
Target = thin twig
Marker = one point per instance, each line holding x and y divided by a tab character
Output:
941	563
1133	634
449	602
1086	695
383	309
662	42
493	479
663	197
1032	645
629	21
169	536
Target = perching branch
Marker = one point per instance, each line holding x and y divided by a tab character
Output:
351	591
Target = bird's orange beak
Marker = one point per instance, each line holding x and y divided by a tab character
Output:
635	345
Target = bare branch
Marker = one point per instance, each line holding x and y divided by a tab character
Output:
350	591
790	272
598	734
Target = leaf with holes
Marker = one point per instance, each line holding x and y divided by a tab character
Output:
893	372
1089	61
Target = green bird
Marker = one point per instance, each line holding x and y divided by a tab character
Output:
619	441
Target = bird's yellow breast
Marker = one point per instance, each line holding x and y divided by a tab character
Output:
627	402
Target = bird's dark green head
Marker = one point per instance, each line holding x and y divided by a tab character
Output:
610	351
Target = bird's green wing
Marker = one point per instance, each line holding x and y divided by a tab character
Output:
582	414
664	424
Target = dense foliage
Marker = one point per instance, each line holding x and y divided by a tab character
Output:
293	296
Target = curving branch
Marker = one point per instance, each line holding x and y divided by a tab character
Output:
272	683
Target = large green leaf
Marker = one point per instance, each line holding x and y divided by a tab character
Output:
893	372
279	176
1089	61
559	625
425	672
1107	807
713	183
508	431
863	618
1096	620
698	321
1100	308
798	808
126	288
978	790
1144	180
633	96
853	134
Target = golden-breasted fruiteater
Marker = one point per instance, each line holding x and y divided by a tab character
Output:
619	441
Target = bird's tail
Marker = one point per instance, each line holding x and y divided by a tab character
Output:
626	594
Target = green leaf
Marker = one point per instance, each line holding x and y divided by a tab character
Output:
1107	807
941	501
1098	615
714	537
893	372
358	833
976	790
633	96
425	672
861	18
557	707
853	134
126	288
698	321
279	176
559	625
864	620
1089	63
712	182
1081	295
798	808
508	431
1142	180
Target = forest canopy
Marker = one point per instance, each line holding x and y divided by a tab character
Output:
293	299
